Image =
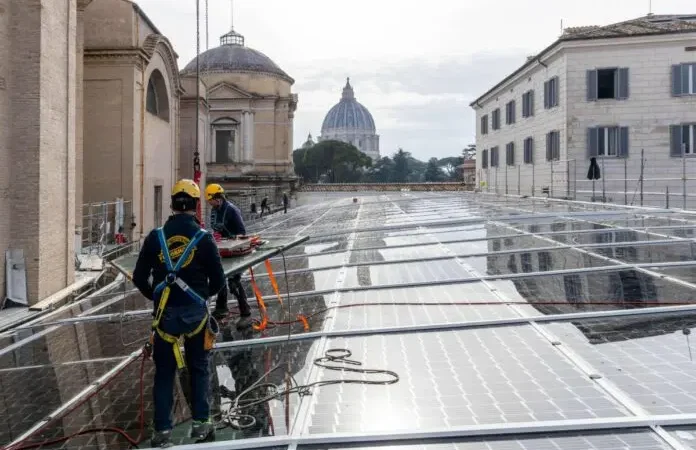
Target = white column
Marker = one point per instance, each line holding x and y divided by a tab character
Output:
251	128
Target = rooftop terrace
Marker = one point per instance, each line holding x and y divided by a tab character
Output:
507	323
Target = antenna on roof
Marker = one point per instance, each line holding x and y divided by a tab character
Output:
207	45
561	27
231	14
650	7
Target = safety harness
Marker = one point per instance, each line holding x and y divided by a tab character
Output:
164	288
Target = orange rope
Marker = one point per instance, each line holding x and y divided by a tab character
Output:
274	283
259	300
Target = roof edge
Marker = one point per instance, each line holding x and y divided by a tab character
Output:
557	43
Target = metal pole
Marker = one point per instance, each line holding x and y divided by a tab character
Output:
667	196
568	179
604	190
551	184
518	180
642	168
593	190
196	152
533	166
506	179
684	175
626	181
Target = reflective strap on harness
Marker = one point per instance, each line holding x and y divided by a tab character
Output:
163	289
177	341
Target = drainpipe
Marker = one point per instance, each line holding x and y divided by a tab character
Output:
68	211
143	90
540	62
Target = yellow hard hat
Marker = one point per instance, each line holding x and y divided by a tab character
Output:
212	190
188	187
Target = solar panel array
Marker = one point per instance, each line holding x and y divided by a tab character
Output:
512	323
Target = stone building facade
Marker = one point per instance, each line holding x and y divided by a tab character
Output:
605	92
246	116
38	134
89	110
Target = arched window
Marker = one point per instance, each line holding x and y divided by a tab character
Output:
157	101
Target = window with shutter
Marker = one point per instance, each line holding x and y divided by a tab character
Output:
484	124
603	84
683	139
553	146
607	141
495	118
484	159
494	157
529	150
684	79
510	154
528	104
551	93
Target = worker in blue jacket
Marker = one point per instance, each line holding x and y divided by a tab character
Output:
183	277
226	219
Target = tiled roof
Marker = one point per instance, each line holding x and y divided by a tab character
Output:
641	26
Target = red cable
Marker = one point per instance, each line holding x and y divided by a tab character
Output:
133	442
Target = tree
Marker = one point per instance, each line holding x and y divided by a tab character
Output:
469	152
401	166
450	166
433	171
335	161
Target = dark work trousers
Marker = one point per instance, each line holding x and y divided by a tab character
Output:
235	286
197	364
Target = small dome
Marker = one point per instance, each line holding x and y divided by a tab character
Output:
349	114
233	56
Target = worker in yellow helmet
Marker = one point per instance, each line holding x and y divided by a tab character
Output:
185	266
226	219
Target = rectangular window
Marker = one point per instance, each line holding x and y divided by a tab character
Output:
510	112
484	159
158	206
495	119
607	141
605	84
529	150
510	154
683	79
494	157
224	146
682	139
551	93
484	124
528	104
545	261
553	146
526	262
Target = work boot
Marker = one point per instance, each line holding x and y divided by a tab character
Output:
161	439
203	431
244	322
220	314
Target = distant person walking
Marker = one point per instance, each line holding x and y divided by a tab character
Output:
285	202
264	206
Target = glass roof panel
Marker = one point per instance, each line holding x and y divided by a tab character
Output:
648	357
468	377
396	274
417	306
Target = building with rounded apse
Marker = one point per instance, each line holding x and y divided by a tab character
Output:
350	122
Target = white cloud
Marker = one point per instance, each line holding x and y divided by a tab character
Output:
416	65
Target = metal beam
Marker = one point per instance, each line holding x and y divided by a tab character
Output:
559	246
450	326
495	430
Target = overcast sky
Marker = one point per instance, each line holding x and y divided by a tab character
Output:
415	65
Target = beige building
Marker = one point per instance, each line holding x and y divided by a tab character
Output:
89	109
245	128
131	102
